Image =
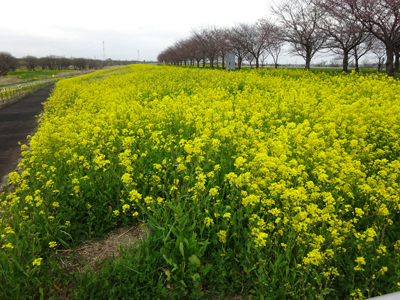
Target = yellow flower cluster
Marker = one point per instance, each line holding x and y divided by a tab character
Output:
222	236
37	261
309	162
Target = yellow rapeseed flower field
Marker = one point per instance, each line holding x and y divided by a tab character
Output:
292	177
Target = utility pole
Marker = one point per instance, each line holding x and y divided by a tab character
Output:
104	54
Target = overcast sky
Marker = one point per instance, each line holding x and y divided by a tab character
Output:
78	28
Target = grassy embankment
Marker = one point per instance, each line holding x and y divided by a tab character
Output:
24	75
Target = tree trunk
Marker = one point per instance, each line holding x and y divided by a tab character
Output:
240	62
211	62
257	63
276	65
198	62
204	62
223	60
346	61
389	62
308	62
357	69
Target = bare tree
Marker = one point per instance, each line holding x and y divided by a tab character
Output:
181	51
300	20
43	63
335	62
249	57
92	64
263	58
7	63
65	63
221	38
343	36
169	55
237	45
52	62
378	48
322	63
197	49
361	49
206	39
32	62
397	54
275	40
254	38
80	63
380	18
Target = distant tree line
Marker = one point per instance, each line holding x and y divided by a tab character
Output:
348	29
53	62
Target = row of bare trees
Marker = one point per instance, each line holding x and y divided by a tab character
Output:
380	19
249	42
53	62
347	28
7	63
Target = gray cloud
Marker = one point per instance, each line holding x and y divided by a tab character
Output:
79	42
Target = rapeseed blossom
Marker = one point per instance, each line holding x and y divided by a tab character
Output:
37	261
222	236
292	164
208	221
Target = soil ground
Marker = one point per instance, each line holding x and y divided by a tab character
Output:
17	121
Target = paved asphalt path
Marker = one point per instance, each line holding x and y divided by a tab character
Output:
17	121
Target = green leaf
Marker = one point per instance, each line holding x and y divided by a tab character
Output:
170	261
194	260
16	263
204	270
193	226
181	249
183	283
178	240
172	227
67	234
134	270
203	248
167	273
175	231
196	277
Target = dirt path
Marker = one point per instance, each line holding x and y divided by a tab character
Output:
17	121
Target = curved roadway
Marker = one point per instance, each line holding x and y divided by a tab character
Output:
17	121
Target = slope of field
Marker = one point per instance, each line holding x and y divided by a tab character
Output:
275	183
